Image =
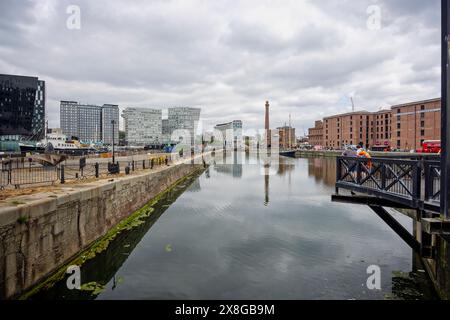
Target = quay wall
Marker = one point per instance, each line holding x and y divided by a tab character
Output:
41	232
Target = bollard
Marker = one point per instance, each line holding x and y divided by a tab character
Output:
167	161
96	169
127	170
151	163
132	165
143	164
63	180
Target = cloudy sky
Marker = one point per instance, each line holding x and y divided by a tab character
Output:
227	57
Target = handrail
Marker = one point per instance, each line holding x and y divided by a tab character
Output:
398	180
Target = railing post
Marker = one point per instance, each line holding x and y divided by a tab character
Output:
96	170
132	165
151	163
9	172
338	172
417	172
143	164
63	180
428	181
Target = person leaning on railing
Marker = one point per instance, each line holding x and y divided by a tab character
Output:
362	153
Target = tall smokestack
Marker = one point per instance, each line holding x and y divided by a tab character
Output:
267	125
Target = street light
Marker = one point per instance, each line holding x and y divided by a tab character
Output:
113	157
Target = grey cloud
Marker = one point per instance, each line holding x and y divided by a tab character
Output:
303	56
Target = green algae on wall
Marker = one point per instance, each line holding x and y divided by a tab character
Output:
136	219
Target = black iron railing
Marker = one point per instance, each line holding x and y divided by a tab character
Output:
399	180
20	173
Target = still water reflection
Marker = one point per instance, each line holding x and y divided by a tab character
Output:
249	230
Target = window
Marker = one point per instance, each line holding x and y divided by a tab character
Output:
422	123
422	132
422	107
398	125
398	133
398	143
422	115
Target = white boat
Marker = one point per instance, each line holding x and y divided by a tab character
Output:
56	142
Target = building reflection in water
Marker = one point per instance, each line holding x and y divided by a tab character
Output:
323	170
266	183
234	168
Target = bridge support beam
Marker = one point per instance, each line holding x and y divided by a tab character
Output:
397	227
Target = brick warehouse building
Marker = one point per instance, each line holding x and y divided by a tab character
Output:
403	126
415	122
315	135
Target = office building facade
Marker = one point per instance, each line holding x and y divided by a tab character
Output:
183	118
231	133
89	123
143	126
110	112
22	108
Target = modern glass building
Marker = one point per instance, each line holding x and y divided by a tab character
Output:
89	123
22	108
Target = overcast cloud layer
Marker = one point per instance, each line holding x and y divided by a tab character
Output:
227	57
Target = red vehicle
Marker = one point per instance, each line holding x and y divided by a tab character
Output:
430	146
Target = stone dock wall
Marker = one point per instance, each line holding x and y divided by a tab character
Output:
41	232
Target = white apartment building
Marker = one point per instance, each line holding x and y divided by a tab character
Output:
143	126
183	118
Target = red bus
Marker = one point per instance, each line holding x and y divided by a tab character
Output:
430	146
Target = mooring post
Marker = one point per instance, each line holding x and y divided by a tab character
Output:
63	180
445	112
96	169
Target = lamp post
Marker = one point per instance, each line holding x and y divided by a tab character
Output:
113	157
445	112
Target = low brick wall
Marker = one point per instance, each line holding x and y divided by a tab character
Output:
39	233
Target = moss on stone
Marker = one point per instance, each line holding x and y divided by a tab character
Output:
134	220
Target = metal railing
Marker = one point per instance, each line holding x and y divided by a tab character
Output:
18	173
398	180
432	170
